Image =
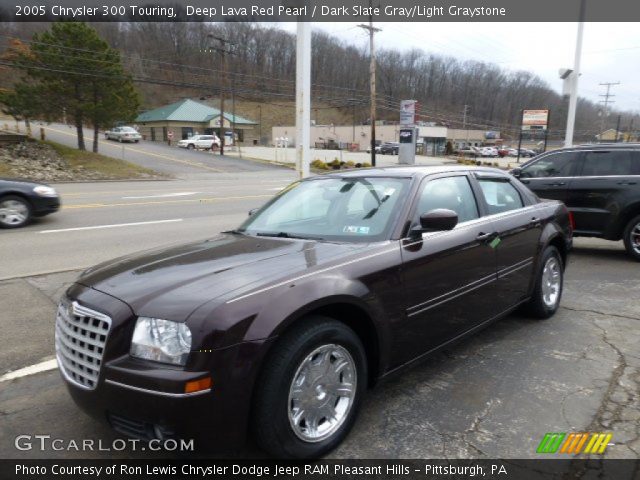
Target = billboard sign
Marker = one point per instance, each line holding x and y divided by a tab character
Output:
535	118
408	112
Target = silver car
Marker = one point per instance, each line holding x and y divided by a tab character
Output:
123	134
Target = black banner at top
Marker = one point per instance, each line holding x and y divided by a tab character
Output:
319	10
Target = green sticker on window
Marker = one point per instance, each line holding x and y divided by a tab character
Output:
495	242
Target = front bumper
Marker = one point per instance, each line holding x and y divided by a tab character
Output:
45	205
147	400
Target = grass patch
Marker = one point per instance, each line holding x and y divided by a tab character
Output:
110	168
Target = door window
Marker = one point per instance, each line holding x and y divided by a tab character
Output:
452	193
602	164
553	165
500	196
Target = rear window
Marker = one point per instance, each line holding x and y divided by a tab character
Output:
599	164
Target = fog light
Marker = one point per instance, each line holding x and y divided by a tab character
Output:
198	385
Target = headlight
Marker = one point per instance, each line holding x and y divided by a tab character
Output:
45	191
161	340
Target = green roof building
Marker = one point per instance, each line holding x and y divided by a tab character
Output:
188	117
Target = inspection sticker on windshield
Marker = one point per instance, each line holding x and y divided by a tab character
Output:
355	229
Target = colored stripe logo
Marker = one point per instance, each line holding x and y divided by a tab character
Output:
574	443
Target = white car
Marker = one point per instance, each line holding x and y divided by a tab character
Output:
488	152
205	142
123	134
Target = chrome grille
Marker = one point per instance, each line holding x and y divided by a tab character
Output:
81	334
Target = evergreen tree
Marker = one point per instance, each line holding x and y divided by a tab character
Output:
71	72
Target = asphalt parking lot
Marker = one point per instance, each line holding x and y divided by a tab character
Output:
493	396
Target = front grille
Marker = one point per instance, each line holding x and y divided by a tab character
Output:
81	334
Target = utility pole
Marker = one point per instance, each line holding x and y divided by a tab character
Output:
618	129
372	73
465	110
223	84
606	102
573	97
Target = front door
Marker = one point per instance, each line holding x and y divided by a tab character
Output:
449	277
550	175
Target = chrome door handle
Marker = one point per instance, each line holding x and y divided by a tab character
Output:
483	237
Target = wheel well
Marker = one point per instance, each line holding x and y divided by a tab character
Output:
17	194
361	323
560	244
626	219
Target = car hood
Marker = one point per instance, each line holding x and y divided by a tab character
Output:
171	283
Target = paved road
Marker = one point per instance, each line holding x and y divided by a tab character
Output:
174	161
492	396
89	227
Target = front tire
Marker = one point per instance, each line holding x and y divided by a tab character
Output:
15	212
309	393
191	146
632	238
549	285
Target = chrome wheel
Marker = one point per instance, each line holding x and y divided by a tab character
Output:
322	393
551	282
13	212
634	238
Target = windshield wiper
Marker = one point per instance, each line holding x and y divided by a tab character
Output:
286	235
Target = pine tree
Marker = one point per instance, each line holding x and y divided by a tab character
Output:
72	72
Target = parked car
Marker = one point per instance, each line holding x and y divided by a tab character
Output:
469	152
491	152
123	134
279	327
21	201
599	183
526	152
390	148
201	142
377	149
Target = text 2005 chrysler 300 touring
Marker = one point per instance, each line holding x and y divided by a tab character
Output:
278	328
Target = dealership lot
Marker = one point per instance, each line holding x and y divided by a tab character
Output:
494	395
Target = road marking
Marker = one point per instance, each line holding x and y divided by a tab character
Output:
121	146
178	194
30	370
188	200
116	225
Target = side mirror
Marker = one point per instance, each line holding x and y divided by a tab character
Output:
253	210
516	172
438	220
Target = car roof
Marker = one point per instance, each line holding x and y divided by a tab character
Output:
405	171
600	146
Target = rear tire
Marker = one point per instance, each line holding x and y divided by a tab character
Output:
15	212
310	390
632	238
549	285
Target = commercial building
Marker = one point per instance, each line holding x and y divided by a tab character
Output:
188	117
432	139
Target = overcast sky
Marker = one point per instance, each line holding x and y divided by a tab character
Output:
610	53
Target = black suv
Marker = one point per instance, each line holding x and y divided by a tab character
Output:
599	183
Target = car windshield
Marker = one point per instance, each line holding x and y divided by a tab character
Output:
127	129
354	209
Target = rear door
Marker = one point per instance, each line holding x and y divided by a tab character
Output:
551	175
597	194
449	277
518	226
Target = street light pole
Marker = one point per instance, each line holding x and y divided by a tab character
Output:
303	98
573	98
